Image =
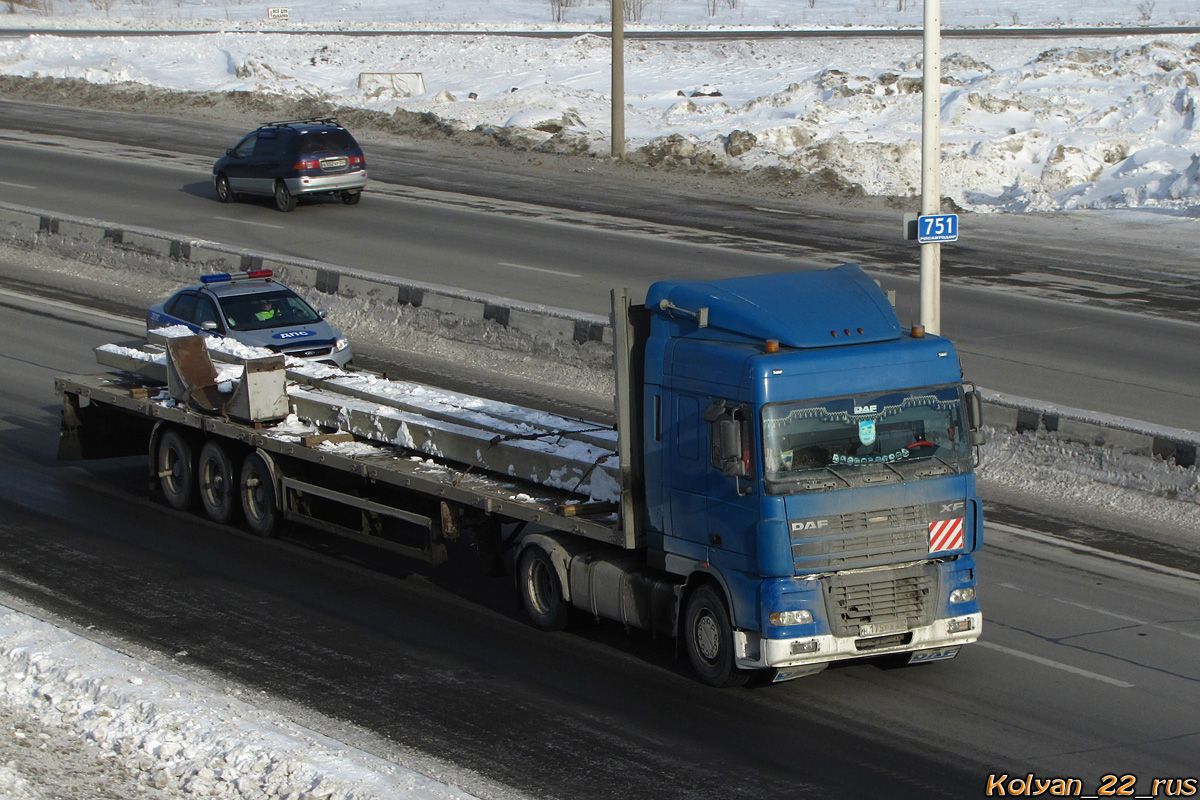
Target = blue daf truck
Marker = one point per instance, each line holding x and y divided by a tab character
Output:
808	472
790	482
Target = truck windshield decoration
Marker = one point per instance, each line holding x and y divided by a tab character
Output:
818	445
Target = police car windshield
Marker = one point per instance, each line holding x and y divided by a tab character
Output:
834	439
249	312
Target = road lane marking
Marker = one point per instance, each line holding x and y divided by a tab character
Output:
16	185
1055	664
1124	618
1095	551
540	269
248	222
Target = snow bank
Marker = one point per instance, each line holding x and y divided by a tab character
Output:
179	737
1027	125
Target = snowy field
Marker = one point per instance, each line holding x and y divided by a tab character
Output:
1035	125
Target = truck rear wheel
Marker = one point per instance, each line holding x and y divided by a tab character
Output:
541	591
708	636
176	468
260	500
216	482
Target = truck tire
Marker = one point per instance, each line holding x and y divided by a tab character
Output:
176	470
708	636
541	591
216	482
260	499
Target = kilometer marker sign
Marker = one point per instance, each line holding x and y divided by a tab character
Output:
937	228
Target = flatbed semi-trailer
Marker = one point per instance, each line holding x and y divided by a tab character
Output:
789	483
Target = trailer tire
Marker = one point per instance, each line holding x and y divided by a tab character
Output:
216	482
176	470
708	636
260	498
541	591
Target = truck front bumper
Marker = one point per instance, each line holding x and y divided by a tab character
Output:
808	654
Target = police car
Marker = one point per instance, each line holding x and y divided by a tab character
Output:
253	309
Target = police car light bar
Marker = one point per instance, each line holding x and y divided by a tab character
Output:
225	277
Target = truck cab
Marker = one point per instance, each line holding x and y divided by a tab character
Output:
808	474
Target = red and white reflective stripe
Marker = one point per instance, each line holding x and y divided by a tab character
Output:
945	534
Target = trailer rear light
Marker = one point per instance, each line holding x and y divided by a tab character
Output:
960	625
802	617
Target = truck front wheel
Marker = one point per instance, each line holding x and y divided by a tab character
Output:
708	635
541	591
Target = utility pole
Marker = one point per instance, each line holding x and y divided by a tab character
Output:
931	157
618	78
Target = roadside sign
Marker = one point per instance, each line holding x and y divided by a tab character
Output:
279	12
937	228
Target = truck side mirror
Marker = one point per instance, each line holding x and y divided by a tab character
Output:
974	409
727	436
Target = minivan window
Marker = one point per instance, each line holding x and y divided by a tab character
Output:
246	146
330	141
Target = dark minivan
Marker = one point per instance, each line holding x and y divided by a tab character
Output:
291	158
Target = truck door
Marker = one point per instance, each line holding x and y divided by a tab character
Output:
732	486
686	466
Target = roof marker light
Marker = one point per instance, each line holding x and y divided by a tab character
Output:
771	346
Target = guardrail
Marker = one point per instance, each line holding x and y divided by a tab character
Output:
147	247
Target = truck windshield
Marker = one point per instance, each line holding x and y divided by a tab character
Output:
818	445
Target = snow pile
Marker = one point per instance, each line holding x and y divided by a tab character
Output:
177	736
1027	125
1075	474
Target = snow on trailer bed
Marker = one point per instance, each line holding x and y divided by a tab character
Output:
502	459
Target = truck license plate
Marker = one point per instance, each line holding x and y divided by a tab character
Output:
880	628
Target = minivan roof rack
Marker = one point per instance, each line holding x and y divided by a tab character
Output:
314	121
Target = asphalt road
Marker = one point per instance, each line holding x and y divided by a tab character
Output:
1089	665
1077	315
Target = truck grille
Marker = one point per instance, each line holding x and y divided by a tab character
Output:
862	539
901	597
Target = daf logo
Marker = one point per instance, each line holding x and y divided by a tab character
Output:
292	335
951	508
865	409
810	525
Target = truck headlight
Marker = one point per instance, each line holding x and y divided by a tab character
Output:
782	618
963	595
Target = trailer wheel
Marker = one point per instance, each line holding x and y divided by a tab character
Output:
216	482
541	591
708	635
260	501
176	468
